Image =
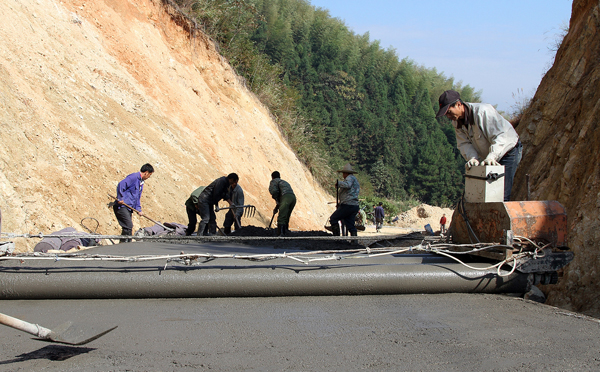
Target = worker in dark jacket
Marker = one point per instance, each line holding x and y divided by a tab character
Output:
285	198
379	216
219	189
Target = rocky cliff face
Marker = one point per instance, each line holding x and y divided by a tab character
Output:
91	90
560	134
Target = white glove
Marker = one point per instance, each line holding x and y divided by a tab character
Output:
471	163
489	161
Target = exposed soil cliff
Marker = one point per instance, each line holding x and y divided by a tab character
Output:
560	135
91	90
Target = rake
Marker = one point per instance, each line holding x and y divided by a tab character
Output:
249	210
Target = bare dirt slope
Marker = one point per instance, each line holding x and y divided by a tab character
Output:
560	138
91	90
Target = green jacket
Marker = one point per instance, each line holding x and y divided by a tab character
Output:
196	193
278	188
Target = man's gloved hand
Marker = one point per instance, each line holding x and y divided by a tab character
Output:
276	209
489	161
471	163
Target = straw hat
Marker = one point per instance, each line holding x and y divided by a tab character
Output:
347	169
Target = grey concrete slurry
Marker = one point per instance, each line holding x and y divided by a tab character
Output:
228	277
443	332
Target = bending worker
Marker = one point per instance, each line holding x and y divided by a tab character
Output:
234	215
219	189
192	209
285	198
348	207
129	191
483	136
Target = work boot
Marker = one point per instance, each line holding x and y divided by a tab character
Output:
354	241
281	230
202	228
227	230
335	229
126	232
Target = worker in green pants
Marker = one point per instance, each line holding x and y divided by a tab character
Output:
285	198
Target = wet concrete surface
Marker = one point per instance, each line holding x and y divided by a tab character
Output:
344	274
445	332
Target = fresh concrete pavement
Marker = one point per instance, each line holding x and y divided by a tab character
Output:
443	332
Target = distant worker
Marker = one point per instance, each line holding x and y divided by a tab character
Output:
363	217
379	216
373	214
129	191
348	202
219	189
234	215
192	209
443	224
483	136
285	198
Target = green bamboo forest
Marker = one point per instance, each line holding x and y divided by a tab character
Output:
340	97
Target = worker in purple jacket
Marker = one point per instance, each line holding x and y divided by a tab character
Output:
129	191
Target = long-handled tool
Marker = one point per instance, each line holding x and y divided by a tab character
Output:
337	194
143	215
249	210
274	213
65	334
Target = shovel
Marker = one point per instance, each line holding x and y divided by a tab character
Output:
64	334
143	215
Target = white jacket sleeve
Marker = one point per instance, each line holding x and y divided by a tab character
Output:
498	131
490	136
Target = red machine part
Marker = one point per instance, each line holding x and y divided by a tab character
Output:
540	221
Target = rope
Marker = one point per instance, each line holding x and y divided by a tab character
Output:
303	257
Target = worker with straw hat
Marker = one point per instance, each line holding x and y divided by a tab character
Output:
347	207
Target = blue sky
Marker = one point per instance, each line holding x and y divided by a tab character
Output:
499	47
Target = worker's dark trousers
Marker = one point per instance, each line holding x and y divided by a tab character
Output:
123	215
347	214
229	220
511	161
208	217
193	220
286	206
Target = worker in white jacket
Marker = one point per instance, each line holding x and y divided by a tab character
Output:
483	136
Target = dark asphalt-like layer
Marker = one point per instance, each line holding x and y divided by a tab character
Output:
446	332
